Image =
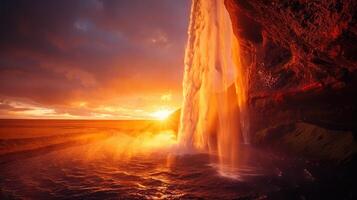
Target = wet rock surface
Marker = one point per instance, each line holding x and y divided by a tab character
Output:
310	141
300	57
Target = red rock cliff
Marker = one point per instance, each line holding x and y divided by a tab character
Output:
301	59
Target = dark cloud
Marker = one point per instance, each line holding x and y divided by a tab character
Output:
54	52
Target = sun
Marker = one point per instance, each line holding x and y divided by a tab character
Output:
162	114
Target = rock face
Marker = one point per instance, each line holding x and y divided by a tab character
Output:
308	140
301	59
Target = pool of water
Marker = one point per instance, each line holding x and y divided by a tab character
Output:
116	168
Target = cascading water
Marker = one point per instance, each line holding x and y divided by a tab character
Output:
214	107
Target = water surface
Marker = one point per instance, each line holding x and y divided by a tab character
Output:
140	165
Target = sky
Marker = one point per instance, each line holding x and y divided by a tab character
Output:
91	59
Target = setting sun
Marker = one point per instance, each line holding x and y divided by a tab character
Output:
162	114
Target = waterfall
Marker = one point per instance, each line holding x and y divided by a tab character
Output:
213	115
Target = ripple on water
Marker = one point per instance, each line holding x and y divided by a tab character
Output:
70	174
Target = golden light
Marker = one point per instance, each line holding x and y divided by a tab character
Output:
82	104
162	114
166	97
161	140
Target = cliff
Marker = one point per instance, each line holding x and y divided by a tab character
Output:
301	60
300	57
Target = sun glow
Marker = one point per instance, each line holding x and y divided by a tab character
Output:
126	146
162	114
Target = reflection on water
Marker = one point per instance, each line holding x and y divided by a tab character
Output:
144	166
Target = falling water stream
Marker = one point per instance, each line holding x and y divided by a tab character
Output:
213	114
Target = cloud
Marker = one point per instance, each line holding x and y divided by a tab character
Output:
55	52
